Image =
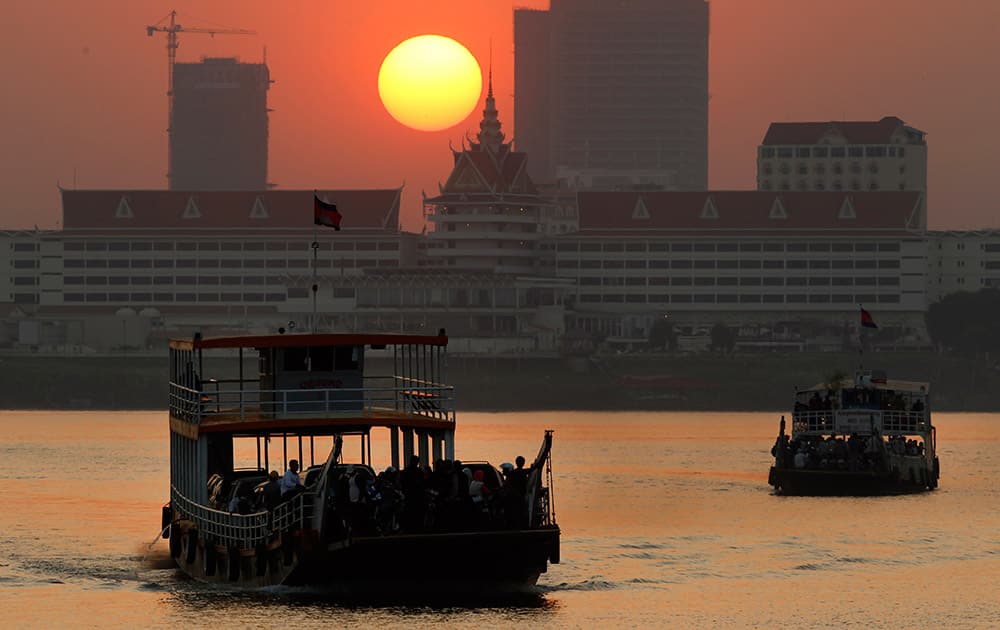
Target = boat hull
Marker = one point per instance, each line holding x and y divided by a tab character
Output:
494	561
805	482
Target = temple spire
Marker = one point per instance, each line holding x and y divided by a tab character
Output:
490	136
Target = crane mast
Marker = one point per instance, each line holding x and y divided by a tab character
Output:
170	26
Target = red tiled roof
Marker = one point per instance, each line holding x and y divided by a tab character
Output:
746	210
855	132
271	209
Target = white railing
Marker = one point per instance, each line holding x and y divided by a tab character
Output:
407	395
888	422
245	531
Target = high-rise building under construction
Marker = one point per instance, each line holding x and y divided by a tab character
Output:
219	125
613	92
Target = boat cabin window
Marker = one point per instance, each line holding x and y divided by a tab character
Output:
321	359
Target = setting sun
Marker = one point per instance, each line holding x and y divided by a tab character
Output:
430	82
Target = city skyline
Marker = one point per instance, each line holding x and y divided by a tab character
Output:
771	62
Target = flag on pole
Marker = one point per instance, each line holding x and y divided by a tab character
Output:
325	213
866	319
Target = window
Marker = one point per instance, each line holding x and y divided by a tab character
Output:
704	264
819	264
837	152
785	152
855	151
796	264
803	152
767	152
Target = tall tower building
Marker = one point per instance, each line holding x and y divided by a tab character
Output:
610	93
219	127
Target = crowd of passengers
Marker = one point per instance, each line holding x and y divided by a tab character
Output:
447	497
855	453
886	400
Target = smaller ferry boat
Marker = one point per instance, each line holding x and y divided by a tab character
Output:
862	436
244	410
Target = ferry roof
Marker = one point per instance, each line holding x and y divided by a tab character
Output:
312	340
916	387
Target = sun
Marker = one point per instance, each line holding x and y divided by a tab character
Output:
430	82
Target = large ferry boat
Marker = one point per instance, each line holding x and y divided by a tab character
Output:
861	436
242	407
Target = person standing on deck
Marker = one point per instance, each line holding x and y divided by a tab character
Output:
272	491
290	482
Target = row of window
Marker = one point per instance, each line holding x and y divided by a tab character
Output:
730	298
172	280
836	185
159	298
870	263
773	281
226	246
729	247
225	263
819	168
876	151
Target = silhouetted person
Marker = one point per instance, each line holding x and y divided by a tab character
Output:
414	498
291	482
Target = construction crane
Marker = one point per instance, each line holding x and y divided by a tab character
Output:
170	26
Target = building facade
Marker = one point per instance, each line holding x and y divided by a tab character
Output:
218	136
612	93
838	156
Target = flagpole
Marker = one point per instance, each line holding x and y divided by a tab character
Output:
861	344
315	285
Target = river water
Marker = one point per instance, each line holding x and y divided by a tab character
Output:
667	520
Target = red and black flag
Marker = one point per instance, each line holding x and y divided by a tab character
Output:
866	319
325	213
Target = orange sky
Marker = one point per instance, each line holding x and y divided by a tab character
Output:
84	89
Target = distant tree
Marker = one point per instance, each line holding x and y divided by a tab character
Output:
966	323
723	338
662	335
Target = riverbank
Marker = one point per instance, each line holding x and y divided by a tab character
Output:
750	382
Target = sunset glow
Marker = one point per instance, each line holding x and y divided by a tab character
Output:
430	82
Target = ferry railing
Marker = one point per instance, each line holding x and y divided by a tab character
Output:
409	396
888	421
245	531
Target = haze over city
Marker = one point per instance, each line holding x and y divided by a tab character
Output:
85	89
